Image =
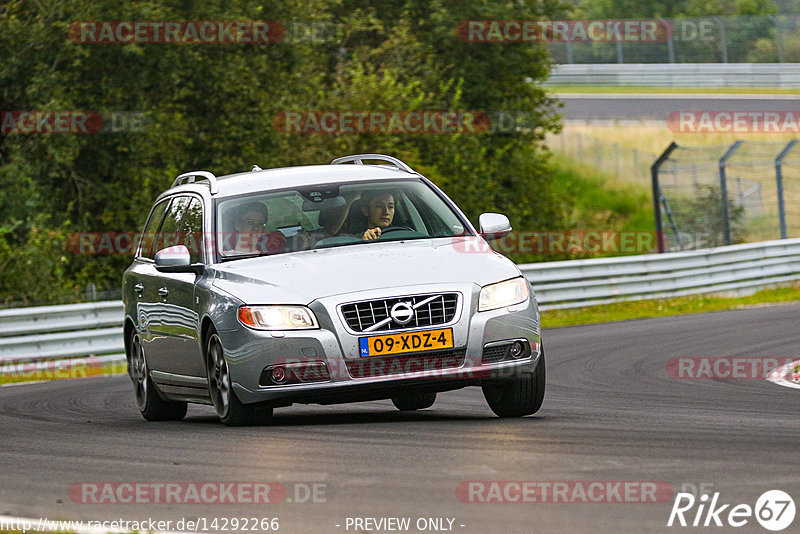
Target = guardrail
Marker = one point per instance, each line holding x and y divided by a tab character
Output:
781	75
48	339
574	283
55	337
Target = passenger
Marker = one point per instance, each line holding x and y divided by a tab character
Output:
251	221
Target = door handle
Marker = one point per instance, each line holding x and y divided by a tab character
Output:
138	288
163	291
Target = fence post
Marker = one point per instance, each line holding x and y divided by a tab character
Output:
723	187
657	193
91	292
723	40
779	180
670	44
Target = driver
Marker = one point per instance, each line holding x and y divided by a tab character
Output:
378	208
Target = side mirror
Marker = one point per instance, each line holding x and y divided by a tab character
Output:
494	225
176	259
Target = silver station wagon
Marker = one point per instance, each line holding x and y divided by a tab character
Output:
355	281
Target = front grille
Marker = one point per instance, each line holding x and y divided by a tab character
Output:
439	309
495	353
405	363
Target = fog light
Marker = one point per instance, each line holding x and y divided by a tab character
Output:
279	375
517	349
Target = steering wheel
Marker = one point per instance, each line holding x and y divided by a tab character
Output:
396	228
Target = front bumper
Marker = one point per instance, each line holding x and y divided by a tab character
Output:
250	352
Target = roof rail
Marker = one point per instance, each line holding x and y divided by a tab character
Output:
191	177
358	159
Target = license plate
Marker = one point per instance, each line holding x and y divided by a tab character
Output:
406	342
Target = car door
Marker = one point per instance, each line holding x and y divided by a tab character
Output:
141	280
175	346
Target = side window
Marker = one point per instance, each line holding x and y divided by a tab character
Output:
146	248
183	225
191	233
167	236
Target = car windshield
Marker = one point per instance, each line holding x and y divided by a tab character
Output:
332	215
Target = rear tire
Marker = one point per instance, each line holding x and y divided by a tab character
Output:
229	408
520	396
150	404
414	401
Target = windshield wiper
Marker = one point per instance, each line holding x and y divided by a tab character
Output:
230	257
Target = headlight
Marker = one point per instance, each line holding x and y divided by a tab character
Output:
503	294
277	317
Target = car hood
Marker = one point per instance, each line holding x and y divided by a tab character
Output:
302	277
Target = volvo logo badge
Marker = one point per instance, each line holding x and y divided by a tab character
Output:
402	313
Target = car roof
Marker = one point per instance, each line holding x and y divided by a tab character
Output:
283	177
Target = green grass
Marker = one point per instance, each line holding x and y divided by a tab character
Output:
601	201
640	309
29	373
594	203
630	89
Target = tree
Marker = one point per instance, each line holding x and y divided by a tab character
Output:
211	106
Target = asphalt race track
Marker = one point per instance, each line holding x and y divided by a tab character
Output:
612	413
585	106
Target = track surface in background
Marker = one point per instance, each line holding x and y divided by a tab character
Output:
658	107
611	413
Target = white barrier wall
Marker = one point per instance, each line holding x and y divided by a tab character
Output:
775	75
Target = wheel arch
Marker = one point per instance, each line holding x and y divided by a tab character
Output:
127	330
206	327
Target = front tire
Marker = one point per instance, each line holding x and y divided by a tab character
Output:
414	401
150	404
520	396
229	408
